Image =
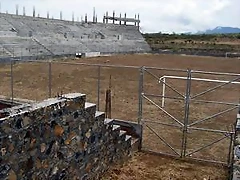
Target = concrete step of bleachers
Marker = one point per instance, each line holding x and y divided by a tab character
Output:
55	37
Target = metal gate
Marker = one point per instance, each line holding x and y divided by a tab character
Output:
183	115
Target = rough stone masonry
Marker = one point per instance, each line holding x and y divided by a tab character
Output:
59	138
236	162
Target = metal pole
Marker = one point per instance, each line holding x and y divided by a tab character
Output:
12	81
208	145
216	87
163	140
212	116
160	80
140	98
140	104
98	87
163	92
186	115
155	104
50	79
230	151
201	79
21	53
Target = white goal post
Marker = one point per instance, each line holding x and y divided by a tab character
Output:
163	80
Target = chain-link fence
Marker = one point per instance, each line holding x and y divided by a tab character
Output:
184	113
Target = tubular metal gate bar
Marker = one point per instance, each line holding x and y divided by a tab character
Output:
186	126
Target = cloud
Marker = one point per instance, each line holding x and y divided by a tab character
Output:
155	15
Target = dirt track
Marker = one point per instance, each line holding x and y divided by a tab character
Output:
31	81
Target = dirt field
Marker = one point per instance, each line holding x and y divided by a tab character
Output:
31	82
146	167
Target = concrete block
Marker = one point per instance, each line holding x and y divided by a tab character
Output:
91	54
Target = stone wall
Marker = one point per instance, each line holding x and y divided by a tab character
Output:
60	138
236	161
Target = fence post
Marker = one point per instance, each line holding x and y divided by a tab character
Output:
186	113
230	154
140	103
12	95
21	53
50	79
140	91
98	87
163	92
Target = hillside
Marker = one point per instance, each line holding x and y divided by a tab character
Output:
221	30
197	44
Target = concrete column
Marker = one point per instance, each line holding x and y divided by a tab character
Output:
107	18
125	16
72	16
17	9
104	18
48	15
34	12
135	23
94	15
138	24
85	18
96	19
38	15
120	22
113	17
24	11
60	15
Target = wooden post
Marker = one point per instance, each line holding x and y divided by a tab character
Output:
108	105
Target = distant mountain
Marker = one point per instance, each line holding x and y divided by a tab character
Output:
221	30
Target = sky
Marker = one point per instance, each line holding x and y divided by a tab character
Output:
156	15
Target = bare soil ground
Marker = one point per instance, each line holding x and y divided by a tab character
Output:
31	82
146	166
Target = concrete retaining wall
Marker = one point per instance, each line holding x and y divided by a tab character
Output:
91	54
60	138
